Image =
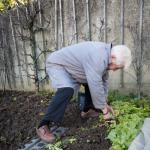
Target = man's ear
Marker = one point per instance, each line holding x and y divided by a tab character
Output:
113	59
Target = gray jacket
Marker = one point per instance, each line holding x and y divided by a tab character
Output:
86	62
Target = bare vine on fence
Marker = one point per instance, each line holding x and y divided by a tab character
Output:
31	21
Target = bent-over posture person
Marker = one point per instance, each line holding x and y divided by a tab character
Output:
86	63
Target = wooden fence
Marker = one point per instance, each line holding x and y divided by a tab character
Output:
28	33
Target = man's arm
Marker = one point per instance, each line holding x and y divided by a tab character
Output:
105	83
95	83
98	88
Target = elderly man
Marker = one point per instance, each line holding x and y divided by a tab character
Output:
86	63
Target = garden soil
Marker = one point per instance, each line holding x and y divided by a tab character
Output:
20	113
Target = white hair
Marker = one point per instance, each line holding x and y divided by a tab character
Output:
122	54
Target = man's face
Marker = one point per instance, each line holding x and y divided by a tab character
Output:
114	67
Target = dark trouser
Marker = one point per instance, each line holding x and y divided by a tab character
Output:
56	108
88	100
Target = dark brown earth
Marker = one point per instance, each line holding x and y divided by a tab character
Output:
20	113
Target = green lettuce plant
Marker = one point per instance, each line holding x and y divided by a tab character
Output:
128	121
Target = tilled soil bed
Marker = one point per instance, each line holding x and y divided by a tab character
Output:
20	113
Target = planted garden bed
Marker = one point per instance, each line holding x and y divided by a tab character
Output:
21	112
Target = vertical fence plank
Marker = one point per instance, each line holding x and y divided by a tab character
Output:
56	24
43	34
23	47
40	15
3	67
61	24
105	20
75	21
16	50
88	16
42	25
7	54
122	39
140	48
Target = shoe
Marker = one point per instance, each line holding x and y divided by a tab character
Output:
44	133
91	113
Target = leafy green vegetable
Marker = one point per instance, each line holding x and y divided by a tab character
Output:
56	146
59	144
129	119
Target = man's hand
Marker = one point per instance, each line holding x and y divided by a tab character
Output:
107	111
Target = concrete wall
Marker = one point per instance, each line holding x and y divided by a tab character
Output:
116	21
